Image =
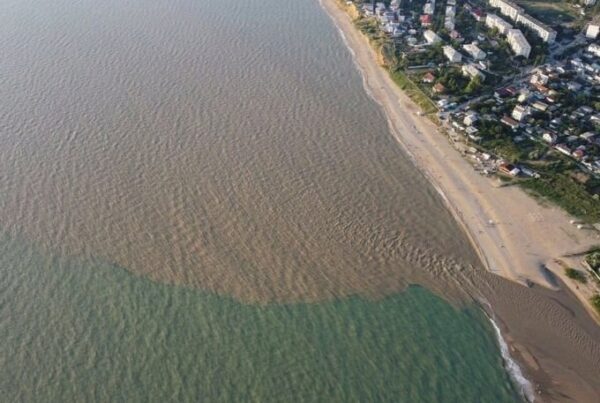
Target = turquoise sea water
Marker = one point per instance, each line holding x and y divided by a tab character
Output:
85	331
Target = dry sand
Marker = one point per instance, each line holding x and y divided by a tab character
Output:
514	235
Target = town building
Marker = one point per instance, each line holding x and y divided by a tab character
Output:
592	31
449	19
429	77
540	106
509	169
426	20
470	70
470	118
549	137
473	50
493	21
429	8
542	30
368	9
439	88
507	8
451	54
519	113
510	122
431	37
518	43
594	48
478	14
588	136
517	14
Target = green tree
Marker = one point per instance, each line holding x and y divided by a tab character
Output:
473	85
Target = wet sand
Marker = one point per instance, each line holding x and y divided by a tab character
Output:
550	332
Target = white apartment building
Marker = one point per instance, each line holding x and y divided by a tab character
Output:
542	30
451	54
474	51
429	8
592	31
449	19
507	8
470	70
518	43
517	14
493	21
431	37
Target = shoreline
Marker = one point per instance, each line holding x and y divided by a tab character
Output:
434	156
512	367
515	237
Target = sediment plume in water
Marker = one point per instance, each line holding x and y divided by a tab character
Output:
250	165
248	161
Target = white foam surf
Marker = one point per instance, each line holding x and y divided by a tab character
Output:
514	370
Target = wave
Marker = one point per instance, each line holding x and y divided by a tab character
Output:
523	384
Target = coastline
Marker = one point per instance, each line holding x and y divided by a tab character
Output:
524	236
515	237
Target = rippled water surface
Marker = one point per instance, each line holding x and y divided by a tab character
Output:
88	331
226	145
200	199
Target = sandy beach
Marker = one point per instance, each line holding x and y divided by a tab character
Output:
515	236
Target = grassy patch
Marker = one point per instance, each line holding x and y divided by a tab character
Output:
575	275
414	92
564	192
595	301
593	259
550	11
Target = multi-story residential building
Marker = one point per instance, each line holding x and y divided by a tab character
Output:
431	37
470	70
474	51
493	21
451	54
449	19
518	43
429	8
507	8
518	15
542	30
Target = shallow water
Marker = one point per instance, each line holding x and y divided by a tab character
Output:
199	200
88	331
226	145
